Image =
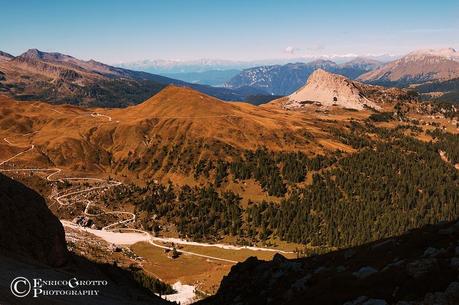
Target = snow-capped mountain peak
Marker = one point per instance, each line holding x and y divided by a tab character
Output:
448	53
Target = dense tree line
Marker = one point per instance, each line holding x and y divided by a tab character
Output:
355	138
152	284
447	142
198	212
381	117
370	195
260	165
393	183
273	170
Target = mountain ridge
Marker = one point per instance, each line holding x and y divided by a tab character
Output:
5	56
285	79
61	78
414	68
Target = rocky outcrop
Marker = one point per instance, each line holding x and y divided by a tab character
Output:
328	89
28	228
419	268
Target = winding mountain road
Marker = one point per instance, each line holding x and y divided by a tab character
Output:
96	114
66	198
16	155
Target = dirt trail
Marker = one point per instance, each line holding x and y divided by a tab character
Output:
113	232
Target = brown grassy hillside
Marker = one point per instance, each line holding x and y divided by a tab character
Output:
167	135
98	139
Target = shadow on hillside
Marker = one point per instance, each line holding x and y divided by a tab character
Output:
121	286
405	267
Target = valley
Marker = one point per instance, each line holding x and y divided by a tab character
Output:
229	152
78	190
185	186
182	188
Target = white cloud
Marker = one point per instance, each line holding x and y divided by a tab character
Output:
291	50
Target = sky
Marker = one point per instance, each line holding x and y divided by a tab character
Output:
118	31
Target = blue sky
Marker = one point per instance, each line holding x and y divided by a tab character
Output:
120	31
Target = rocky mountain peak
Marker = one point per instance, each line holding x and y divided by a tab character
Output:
322	75
5	56
328	89
35	54
323	62
363	62
415	68
447	53
32	54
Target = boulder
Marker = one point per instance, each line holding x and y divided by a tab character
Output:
301	283
454	262
421	267
357	301
363	300
449	297
364	272
375	302
431	252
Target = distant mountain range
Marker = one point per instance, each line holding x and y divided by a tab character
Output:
416	67
212	77
285	79
60	78
432	73
162	66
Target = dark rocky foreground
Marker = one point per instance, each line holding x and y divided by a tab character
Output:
420	267
32	245
27	228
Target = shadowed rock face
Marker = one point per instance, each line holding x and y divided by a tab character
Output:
28	228
420	267
32	237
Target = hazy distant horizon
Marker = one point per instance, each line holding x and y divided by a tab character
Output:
121	32
332	57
